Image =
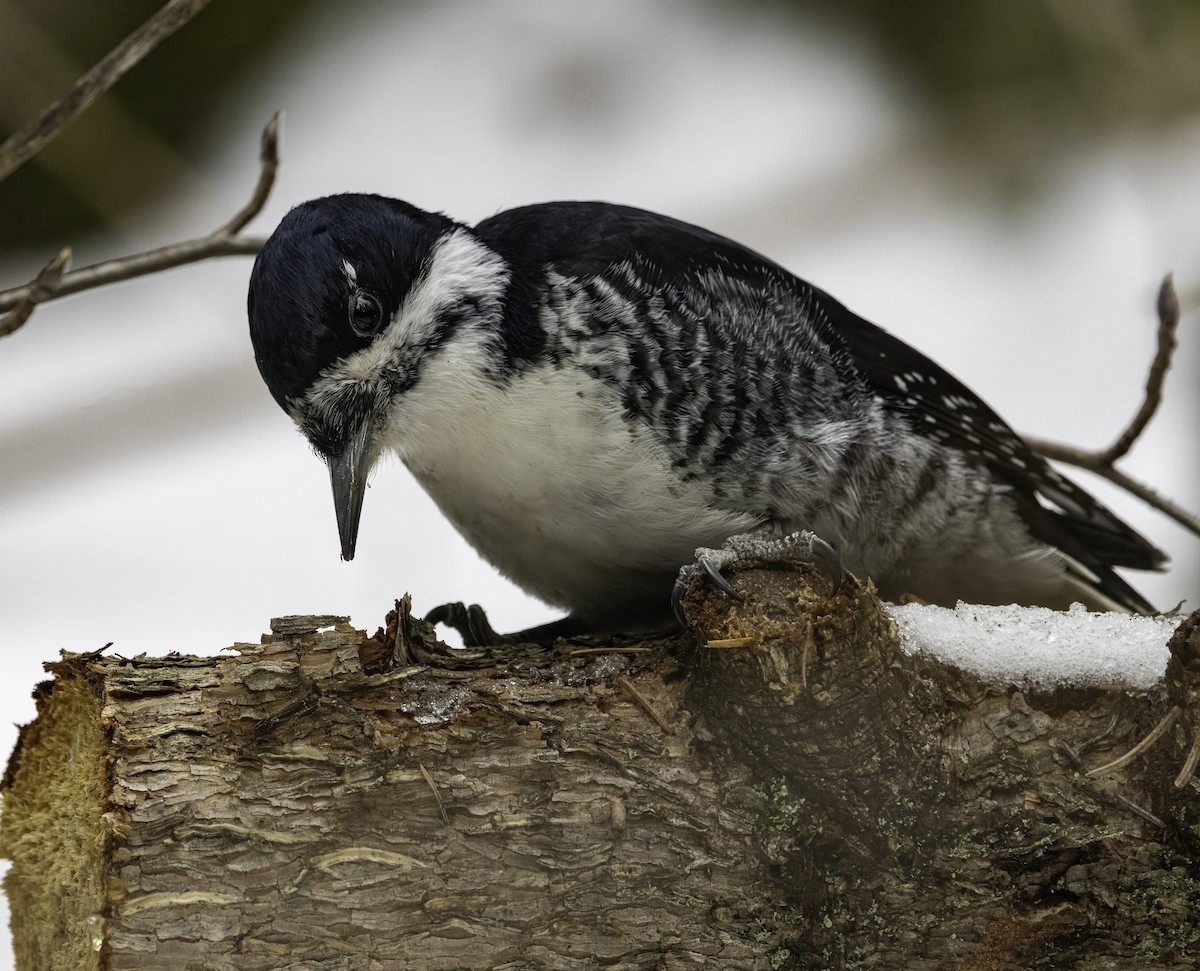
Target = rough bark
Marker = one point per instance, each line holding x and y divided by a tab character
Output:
810	798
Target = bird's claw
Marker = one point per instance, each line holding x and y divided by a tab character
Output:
711	565
471	622
708	562
799	547
825	558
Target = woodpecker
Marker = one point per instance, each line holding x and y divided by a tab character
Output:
595	395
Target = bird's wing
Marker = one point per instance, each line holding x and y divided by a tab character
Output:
622	246
937	404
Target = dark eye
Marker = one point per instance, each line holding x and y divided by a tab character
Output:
366	314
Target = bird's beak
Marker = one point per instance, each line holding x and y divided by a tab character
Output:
348	476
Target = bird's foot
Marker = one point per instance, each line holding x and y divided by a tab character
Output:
799	547
472	623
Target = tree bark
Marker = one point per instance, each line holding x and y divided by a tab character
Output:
811	797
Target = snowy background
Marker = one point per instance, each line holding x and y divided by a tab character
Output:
152	494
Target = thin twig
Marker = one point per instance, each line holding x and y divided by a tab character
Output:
94	655
1131	805
1087	460
436	795
1101	461
23	145
1090	743
1167	306
644	703
1110	791
224	241
728	642
43	286
141	264
268	167
1072	755
1189	764
1155	734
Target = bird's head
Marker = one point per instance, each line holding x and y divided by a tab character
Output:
349	299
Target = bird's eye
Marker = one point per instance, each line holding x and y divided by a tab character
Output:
366	313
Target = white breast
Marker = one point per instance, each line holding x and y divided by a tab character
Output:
548	481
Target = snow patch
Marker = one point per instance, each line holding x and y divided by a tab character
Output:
1035	645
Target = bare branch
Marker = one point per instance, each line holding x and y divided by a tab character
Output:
268	161
1101	461
23	145
224	241
1168	322
40	289
1082	459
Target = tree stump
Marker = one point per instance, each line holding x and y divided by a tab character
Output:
788	790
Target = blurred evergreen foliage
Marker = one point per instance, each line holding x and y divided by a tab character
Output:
1000	82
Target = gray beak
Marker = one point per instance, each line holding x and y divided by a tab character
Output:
348	476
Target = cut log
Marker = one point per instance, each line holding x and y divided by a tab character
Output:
806	796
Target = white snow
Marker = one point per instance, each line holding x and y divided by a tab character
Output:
1038	646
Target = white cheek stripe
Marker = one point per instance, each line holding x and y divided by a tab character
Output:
460	266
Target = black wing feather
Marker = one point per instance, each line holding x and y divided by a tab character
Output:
581	239
962	420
